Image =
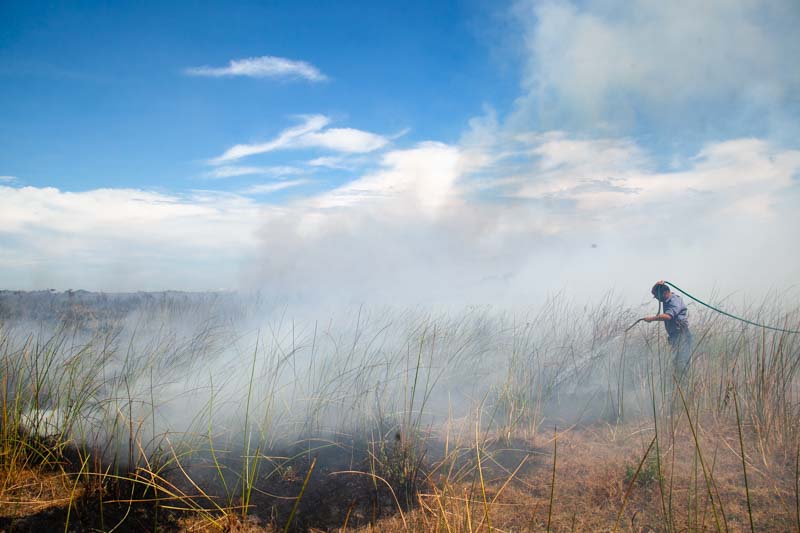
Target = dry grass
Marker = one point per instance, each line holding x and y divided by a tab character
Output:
592	476
29	491
398	423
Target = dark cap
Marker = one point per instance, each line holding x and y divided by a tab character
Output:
659	289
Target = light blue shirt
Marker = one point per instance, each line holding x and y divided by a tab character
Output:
676	309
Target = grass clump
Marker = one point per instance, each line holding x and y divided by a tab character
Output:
647	476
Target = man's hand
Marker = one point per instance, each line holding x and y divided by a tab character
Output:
649	318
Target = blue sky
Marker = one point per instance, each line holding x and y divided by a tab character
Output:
423	151
103	86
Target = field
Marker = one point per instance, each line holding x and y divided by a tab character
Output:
216	411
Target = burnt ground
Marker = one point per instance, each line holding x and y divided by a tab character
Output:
596	483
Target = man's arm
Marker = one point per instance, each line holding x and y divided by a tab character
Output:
663	317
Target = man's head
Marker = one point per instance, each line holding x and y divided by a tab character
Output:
661	292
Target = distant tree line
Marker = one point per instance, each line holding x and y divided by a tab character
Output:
79	306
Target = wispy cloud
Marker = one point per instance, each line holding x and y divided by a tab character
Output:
235	171
312	133
269	188
8	179
284	140
348	162
348	140
334	161
262	67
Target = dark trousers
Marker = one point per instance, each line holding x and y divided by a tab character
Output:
681	344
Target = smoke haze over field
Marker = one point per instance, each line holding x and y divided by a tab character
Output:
397	256
637	141
424	229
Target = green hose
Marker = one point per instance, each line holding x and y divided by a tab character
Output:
698	300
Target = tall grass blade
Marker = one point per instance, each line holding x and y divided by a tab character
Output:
300	496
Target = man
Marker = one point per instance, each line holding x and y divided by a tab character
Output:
676	323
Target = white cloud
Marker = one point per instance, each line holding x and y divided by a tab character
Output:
8	179
339	162
346	140
421	179
284	140
414	230
127	214
610	174
269	188
123	239
309	134
235	171
262	67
